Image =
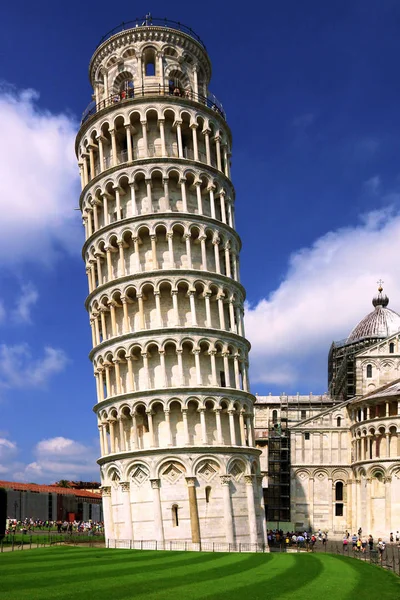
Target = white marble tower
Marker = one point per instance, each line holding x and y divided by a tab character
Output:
174	411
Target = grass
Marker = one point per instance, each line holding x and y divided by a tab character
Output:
63	573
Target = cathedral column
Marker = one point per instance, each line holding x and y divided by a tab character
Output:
251	508
368	504
388	505
228	517
157	511
193	509
331	503
311	502
358	502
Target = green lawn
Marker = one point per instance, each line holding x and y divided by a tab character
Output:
86	573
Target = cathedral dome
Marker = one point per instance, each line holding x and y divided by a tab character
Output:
379	323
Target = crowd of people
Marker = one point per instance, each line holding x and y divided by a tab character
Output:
296	539
29	526
357	542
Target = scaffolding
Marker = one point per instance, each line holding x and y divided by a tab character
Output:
277	494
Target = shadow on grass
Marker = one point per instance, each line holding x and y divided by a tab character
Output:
368	576
88	572
93	559
290	579
108	586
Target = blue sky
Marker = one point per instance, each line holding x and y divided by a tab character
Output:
311	92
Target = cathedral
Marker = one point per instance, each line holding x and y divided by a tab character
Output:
332	461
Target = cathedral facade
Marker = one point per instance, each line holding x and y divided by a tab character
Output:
344	467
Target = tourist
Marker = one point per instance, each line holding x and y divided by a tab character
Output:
397	536
354	541
363	544
381	547
370	542
391	538
345	542
359	543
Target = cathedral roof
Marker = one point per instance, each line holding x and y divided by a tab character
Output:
380	323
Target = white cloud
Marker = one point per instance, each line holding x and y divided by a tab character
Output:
62	458
38	180
327	289
20	370
27	299
8	450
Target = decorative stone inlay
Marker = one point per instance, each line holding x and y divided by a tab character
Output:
236	471
155	484
139	475
207	471
125	486
172	473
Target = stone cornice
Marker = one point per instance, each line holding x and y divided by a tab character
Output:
166	333
196	274
173	450
176	392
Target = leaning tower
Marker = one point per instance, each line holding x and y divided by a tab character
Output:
170	357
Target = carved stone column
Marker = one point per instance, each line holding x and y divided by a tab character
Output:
158	522
251	508
193	510
225	481
125	489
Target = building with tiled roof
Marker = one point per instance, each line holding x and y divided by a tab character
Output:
51	502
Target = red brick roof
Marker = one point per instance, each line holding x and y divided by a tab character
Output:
33	487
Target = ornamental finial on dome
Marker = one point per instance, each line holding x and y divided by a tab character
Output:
380	299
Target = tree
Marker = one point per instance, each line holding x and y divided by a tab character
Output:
63	483
3	512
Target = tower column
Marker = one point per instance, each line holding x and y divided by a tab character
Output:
158	522
228	517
